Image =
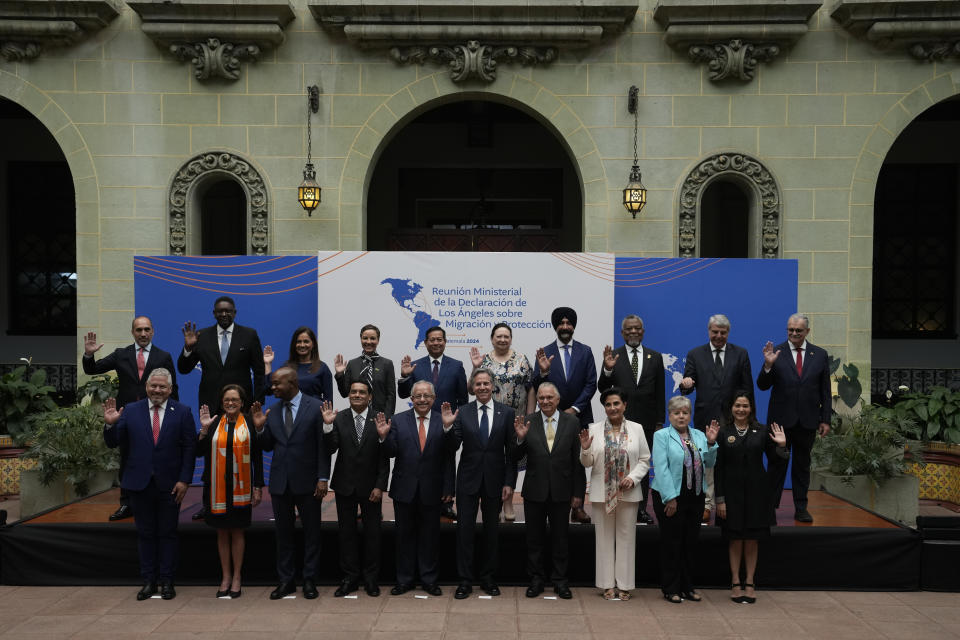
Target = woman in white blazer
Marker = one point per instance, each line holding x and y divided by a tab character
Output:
617	450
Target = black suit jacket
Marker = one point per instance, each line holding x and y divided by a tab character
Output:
484	467
713	394
428	473
384	383
645	397
124	362
552	475
360	467
798	401
301	460
244	358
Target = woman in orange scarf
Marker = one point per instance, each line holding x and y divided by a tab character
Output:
232	481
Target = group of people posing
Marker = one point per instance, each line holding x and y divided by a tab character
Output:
706	458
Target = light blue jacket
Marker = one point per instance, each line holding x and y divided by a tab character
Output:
668	452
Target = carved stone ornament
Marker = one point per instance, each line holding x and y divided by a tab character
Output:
736	59
202	166
28	27
935	51
928	29
747	169
473	59
215	59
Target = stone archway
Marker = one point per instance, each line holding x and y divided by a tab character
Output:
745	170
202	167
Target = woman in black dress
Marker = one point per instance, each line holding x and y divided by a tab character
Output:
232	480
744	508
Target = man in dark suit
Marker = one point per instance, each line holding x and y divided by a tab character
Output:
228	353
293	430
486	477
638	371
133	365
569	365
372	367
160	436
715	371
551	441
359	480
448	378
799	373
421	446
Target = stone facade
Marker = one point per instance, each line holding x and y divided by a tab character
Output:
819	115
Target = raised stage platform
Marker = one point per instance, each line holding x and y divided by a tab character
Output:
845	548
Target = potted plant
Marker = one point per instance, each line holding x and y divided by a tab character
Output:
70	458
862	461
22	393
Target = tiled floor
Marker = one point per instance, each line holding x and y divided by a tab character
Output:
104	612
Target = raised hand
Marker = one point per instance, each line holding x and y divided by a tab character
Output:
769	355
543	361
585	439
777	434
609	358
712	429
268	355
190	335
339	364
476	357
205	419
520	427
258	416
110	413
448	415
90	345
328	412
406	367
383	425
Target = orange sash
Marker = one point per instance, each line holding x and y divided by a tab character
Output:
241	472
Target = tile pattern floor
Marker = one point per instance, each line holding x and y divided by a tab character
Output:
105	612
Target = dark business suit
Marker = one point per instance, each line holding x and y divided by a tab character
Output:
553	477
244	358
451	384
714	394
644	395
419	481
485	469
384	383
798	404
132	386
153	469
299	461
578	389
360	468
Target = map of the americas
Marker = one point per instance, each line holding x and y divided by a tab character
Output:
405	293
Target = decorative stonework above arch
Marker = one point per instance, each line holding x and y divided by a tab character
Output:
202	166
748	170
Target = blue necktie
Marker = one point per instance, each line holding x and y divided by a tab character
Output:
566	361
484	424
224	347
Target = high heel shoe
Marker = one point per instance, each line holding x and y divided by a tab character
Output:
236	594
746	598
223	593
737	599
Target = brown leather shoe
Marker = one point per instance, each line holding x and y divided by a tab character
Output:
579	515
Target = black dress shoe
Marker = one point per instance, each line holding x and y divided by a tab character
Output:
223	594
346	587
463	591
400	589
372	590
644	518
310	590
535	589
490	589
124	511
235	594
283	589
563	591
802	515
447	511
433	589
199	515
147	590
167	592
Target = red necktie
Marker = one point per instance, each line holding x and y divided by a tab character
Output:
799	362
141	363
423	434
156	423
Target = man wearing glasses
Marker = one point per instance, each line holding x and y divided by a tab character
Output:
799	373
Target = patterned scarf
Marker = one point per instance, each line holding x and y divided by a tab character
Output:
241	466
615	463
692	464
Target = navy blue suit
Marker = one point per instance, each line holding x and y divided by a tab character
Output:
299	462
485	469
420	479
798	404
715	393
578	390
151	473
451	385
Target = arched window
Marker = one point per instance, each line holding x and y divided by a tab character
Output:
724	221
